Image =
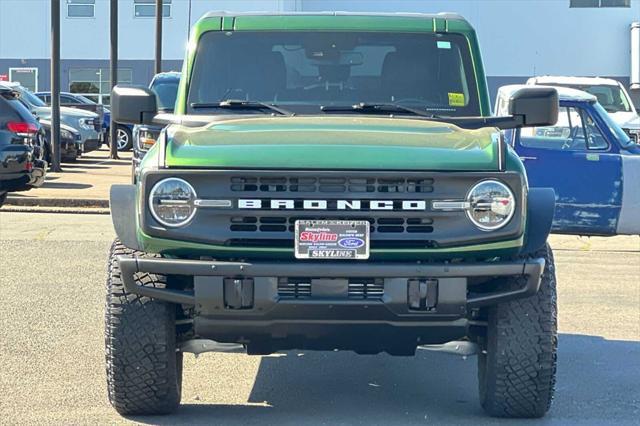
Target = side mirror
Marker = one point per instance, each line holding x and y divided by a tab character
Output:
133	105
535	106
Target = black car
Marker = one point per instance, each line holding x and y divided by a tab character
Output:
165	86
69	142
22	166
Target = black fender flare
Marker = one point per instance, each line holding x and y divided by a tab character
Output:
122	201
541	206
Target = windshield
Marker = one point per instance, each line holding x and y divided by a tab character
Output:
612	98
84	100
620	134
166	91
30	98
306	70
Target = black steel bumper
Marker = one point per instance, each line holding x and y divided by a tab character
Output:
242	303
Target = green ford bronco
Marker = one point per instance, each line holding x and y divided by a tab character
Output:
332	181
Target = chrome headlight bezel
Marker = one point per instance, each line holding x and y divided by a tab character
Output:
188	202
471	208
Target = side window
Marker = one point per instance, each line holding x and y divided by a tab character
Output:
66	100
595	139
567	134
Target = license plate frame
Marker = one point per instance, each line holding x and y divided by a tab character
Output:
332	239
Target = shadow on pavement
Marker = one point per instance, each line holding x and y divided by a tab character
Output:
597	384
66	185
81	166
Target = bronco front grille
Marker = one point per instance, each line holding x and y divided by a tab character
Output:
331	185
383	225
256	223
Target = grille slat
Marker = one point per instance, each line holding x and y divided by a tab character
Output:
396	225
358	288
338	185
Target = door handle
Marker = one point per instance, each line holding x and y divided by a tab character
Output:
528	158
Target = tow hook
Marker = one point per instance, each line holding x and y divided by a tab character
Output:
198	346
457	347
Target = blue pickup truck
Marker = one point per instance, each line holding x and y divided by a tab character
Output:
588	159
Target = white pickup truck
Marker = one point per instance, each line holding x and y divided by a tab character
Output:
611	95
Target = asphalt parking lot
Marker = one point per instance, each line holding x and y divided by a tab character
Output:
52	275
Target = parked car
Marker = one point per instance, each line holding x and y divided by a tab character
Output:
75	100
125	131
165	87
588	159
21	138
85	122
610	93
69	142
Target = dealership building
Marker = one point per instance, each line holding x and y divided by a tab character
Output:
519	38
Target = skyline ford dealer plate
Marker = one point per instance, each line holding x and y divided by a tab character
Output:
332	239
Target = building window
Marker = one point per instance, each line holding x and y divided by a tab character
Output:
147	8
95	83
600	3
81	8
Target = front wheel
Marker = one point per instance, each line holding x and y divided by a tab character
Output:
517	367
144	371
124	138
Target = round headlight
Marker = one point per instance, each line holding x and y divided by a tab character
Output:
172	202
491	205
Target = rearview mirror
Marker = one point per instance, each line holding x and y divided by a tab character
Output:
133	105
535	106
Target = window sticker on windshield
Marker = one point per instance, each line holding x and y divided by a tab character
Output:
444	45
456	99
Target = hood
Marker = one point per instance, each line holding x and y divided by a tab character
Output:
334	143
626	120
45	112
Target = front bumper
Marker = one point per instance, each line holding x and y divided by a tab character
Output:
91	145
238	302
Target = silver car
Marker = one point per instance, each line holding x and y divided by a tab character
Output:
87	123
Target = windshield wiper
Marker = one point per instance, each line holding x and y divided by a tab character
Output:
369	107
240	104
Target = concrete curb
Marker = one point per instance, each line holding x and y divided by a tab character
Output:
37	209
82	203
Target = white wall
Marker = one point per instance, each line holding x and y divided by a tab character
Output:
528	37
25	28
518	37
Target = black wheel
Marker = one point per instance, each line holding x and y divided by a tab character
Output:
517	367
3	198
144	371
125	138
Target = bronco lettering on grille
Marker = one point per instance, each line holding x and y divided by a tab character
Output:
289	204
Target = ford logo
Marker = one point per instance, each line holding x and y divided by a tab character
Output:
351	243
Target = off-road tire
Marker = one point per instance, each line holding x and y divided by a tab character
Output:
517	367
144	371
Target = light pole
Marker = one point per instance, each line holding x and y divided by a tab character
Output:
113	131
55	86
159	13
99	74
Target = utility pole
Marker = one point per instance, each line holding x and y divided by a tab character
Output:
159	14
55	86
113	133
